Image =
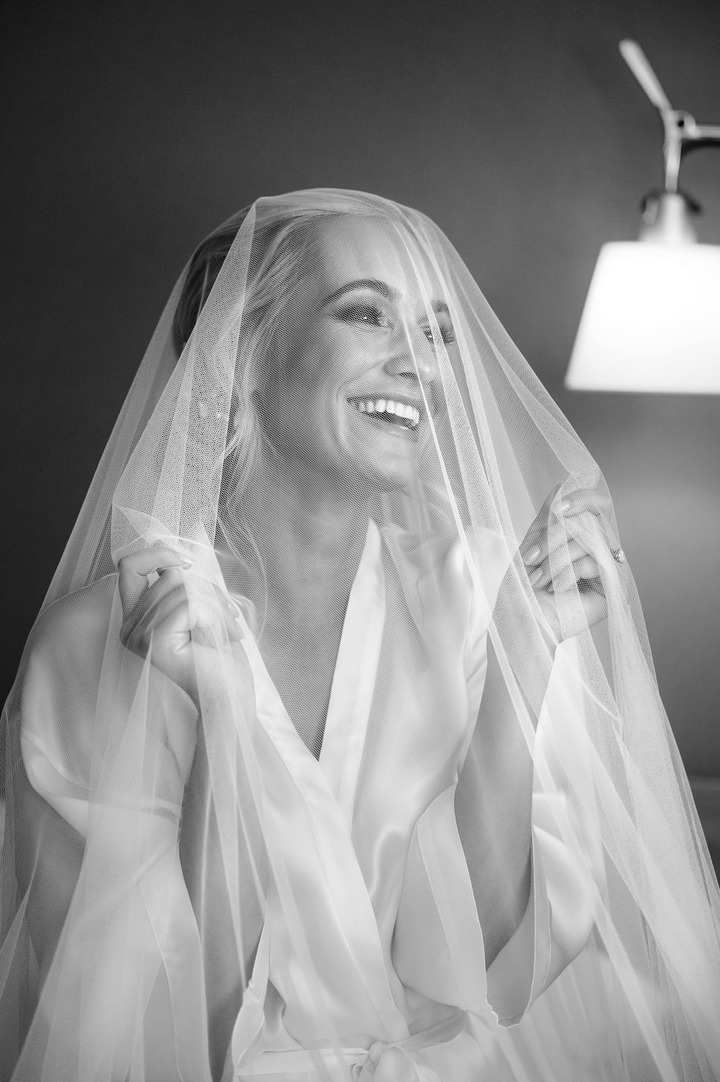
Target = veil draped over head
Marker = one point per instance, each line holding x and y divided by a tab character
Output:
198	882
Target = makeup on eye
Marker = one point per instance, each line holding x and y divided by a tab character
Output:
364	313
375	316
447	331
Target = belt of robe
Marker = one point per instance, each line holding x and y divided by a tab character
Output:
445	1052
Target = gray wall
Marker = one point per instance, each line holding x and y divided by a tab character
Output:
132	129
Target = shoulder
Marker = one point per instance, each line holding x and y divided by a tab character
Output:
75	627
62	669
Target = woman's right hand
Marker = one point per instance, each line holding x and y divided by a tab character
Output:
183	629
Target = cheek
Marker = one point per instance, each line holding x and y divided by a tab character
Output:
299	365
296	407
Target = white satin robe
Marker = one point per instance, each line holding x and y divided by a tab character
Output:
397	989
388	907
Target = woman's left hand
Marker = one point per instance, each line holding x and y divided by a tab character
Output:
546	539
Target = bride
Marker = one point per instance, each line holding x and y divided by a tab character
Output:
336	751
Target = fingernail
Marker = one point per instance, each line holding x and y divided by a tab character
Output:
187	562
536	576
565	507
532	556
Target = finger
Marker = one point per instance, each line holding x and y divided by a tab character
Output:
584	567
169	618
134	569
227	615
218	634
531	547
169	581
573	551
546	535
581	573
535	545
584	499
569	549
147	560
176	614
172	579
562	533
213	623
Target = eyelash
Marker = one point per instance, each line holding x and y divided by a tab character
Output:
359	313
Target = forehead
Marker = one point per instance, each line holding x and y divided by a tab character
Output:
349	248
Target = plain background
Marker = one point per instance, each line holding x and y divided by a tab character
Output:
130	130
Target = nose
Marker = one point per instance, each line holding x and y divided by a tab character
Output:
412	356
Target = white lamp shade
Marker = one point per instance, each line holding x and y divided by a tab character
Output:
651	321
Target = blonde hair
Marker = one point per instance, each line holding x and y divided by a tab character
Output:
278	264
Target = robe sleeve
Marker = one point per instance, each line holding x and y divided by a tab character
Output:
560	913
556	925
70	680
108	912
559	916
438	946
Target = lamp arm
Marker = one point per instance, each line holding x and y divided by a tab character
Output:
639	65
681	132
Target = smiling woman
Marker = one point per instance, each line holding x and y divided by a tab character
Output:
336	752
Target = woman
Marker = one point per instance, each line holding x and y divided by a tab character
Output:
355	767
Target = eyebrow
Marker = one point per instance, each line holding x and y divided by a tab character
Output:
377	286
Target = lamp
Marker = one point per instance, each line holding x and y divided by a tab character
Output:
651	321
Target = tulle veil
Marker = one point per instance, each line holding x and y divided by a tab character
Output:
158	829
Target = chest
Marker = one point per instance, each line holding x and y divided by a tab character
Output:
303	672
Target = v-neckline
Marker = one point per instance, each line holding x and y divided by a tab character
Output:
351	690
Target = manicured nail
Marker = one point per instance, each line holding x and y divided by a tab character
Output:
536	576
531	557
187	562
565	507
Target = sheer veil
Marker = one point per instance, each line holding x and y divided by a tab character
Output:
147	869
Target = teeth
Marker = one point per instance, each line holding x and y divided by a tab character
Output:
384	405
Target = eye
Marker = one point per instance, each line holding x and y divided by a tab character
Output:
369	314
447	332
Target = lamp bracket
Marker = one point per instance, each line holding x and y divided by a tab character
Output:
682	133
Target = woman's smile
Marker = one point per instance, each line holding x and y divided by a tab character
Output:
393	412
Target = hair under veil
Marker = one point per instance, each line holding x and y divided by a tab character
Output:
180	871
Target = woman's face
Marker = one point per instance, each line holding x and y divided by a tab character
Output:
354	371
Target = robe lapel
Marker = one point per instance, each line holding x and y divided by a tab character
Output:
320	916
354	680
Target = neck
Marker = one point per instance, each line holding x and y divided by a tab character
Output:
311	539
